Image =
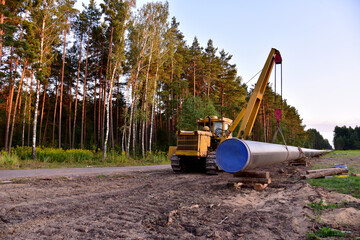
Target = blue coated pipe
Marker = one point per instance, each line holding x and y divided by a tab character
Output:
236	155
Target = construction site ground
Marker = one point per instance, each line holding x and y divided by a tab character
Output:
158	204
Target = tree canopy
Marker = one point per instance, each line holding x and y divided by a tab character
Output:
113	77
346	138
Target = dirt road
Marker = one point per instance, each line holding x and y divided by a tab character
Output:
163	205
64	172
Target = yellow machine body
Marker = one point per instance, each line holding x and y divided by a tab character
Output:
197	143
212	130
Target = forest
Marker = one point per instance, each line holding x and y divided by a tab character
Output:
347	138
117	78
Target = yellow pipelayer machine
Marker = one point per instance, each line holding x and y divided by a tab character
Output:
195	150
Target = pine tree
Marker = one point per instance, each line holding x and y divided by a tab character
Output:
67	9
47	19
118	13
92	16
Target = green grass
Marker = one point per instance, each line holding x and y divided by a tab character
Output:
319	206
349	185
324	232
9	161
20	158
343	153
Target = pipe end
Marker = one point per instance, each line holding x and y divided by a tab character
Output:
232	155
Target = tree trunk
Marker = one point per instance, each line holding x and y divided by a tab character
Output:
35	120
42	114
123	139
45	128
108	68
84	93
62	84
1	32
153	108
111	118
54	119
134	133
103	114
69	112
99	113
117	114
16	103
99	126
108	102
94	121
145	104
107	125
9	102
130	125
29	111
76	93
24	115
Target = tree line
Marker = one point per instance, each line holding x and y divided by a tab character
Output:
114	77
346	138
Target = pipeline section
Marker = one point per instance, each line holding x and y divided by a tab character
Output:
236	155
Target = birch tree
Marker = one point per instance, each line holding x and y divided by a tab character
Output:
118	13
47	21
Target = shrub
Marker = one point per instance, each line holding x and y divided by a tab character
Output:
157	157
54	154
7	160
116	158
23	152
319	206
79	155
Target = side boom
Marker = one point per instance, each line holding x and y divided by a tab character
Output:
249	113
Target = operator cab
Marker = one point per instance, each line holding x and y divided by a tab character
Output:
218	126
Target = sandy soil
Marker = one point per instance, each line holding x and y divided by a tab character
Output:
163	205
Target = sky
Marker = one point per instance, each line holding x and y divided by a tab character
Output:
319	42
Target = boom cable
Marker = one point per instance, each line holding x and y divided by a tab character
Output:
253	76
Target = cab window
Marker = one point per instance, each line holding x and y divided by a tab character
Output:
218	129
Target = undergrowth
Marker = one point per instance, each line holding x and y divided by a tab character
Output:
21	157
9	161
319	206
324	232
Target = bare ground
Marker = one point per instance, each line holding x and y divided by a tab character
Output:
163	205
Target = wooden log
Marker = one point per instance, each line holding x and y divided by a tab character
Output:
253	174
325	169
251	180
259	187
320	174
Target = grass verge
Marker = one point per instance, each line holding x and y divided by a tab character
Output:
347	185
20	158
342	153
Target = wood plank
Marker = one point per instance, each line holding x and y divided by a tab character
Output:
259	187
253	174
251	180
